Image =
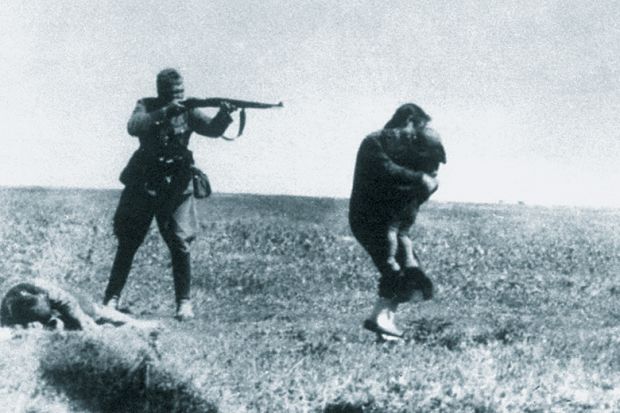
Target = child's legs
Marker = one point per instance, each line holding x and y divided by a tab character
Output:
392	238
406	243
409	259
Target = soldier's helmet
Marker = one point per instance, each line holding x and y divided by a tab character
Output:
166	79
23	304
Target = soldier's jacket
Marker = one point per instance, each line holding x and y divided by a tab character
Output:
163	151
388	173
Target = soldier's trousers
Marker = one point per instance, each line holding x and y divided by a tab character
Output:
175	214
395	285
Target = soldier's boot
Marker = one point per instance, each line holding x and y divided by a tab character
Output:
184	310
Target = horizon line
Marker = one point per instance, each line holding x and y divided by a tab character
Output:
499	202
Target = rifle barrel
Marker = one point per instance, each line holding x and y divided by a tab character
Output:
241	104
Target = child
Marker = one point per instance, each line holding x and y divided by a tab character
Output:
420	150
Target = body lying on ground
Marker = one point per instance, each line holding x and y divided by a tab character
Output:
42	303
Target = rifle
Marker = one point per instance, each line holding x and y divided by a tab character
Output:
191	103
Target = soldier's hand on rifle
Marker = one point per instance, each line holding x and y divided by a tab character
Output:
228	107
174	108
190	103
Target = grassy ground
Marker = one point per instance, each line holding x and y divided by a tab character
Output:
527	315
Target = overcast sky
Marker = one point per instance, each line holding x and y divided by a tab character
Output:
524	93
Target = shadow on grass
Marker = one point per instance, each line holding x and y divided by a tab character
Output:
442	333
348	407
108	373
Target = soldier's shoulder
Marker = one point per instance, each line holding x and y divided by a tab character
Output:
149	102
373	135
148	99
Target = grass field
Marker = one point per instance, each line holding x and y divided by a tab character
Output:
526	318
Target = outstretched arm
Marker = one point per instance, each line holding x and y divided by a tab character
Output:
71	313
107	315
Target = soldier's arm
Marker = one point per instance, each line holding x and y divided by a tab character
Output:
207	126
142	122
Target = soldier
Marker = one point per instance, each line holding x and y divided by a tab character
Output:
158	184
39	302
382	190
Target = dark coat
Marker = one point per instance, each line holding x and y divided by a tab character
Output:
380	185
382	188
388	178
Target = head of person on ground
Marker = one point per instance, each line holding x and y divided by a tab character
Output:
24	304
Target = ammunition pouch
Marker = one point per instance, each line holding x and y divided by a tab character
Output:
200	182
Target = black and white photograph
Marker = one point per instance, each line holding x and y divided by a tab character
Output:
323	206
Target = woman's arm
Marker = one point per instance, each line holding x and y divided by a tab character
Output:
389	178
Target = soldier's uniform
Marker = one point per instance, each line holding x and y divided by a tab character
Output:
158	184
